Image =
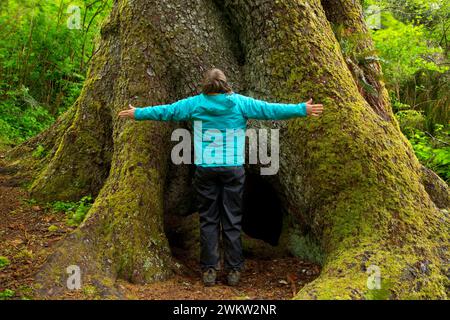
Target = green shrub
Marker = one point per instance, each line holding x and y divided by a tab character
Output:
410	120
82	209
63	206
75	211
20	122
433	151
405	50
43	62
4	262
6	294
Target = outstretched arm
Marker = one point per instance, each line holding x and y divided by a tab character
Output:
258	109
177	111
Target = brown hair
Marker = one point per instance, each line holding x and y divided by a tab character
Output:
215	82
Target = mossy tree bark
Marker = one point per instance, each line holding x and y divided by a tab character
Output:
347	21
349	179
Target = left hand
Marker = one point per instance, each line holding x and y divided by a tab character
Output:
129	113
313	109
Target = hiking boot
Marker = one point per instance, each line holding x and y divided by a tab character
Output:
233	277
209	277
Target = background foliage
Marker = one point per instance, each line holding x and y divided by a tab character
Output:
43	61
411	38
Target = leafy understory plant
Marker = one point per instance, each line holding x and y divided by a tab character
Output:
6	294
433	150
4	262
75	211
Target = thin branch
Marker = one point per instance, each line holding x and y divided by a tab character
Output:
446	143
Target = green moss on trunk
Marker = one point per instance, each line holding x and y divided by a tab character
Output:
350	177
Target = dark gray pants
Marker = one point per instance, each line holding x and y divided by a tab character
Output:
219	193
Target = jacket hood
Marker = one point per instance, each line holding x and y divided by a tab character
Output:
217	104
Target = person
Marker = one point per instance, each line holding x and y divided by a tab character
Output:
219	176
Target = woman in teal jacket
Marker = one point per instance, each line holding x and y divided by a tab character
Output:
218	113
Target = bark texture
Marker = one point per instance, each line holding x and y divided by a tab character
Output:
350	186
347	21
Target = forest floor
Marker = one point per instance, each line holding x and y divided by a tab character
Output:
29	232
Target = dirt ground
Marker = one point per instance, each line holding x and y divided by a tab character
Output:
28	232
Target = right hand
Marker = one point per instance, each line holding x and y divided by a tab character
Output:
314	110
128	113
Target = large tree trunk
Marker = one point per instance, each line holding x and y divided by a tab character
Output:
349	181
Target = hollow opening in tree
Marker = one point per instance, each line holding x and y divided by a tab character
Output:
262	218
